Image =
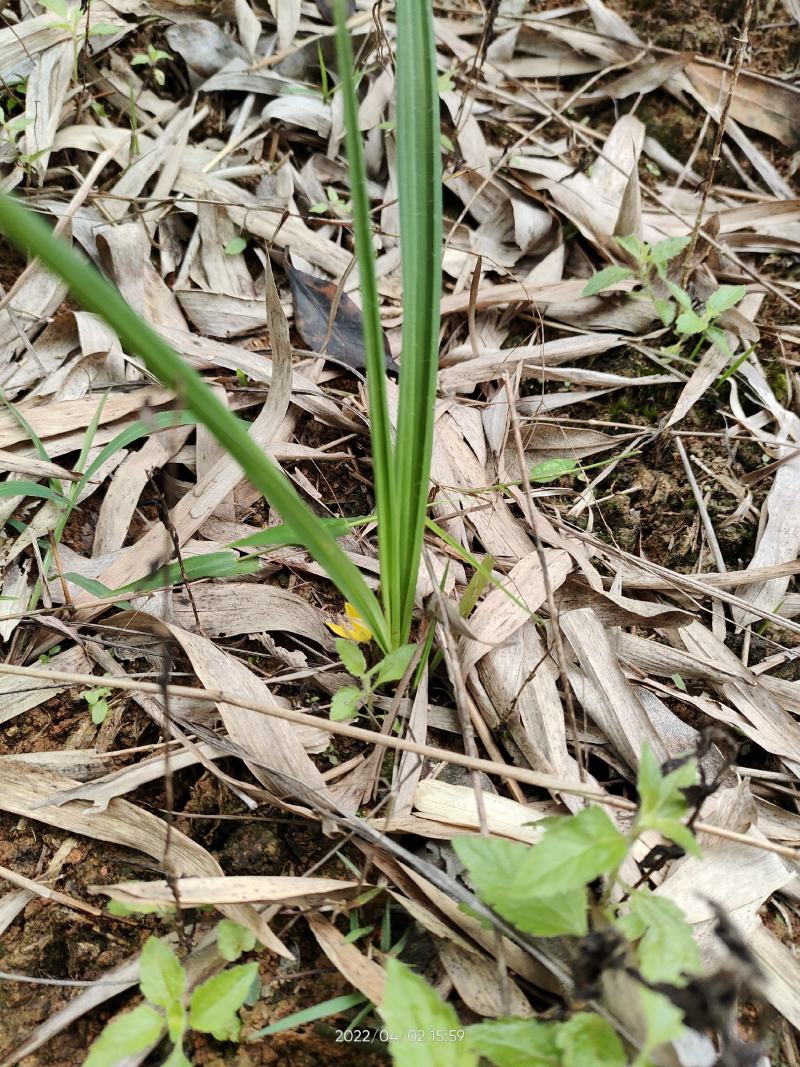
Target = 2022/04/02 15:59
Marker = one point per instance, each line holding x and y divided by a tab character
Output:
384	1036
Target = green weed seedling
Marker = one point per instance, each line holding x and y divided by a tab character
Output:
652	263
73	21
212	1008
350	698
99	707
544	890
151	58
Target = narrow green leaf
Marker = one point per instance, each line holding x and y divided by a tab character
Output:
411	1005
161	976
24	488
549	470
214	1005
125	1036
351	656
419	184
25	230
605	278
516	1042
383	466
588	1039
233	939
334	1006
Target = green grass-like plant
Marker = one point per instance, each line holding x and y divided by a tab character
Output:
402	467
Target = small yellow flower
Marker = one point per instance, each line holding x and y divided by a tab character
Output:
352	627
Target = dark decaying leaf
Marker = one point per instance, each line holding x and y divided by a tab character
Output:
313	300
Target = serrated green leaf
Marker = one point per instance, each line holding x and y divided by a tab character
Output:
680	295
233	939
515	1042
345	703
125	1036
633	246
605	278
666	949
573	852
718	338
497	871
689	323
665	310
663	1021
161	976
351	656
588	1039
663	251
104	29
214	1004
662	805
724	298
409	1005
235	246
551	469
392	667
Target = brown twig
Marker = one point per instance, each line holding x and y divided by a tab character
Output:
550	782
716	153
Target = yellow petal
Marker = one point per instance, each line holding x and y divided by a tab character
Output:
353	627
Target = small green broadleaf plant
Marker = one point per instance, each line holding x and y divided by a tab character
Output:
212	1009
543	890
98	703
73	21
347	700
652	262
151	58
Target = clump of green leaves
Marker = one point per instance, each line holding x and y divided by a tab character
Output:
212	1008
549	890
350	698
97	699
151	58
676	309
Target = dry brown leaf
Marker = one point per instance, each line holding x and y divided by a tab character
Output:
364	974
764	104
232	889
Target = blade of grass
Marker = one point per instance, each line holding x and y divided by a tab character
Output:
309	1015
25	230
419	181
386	499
